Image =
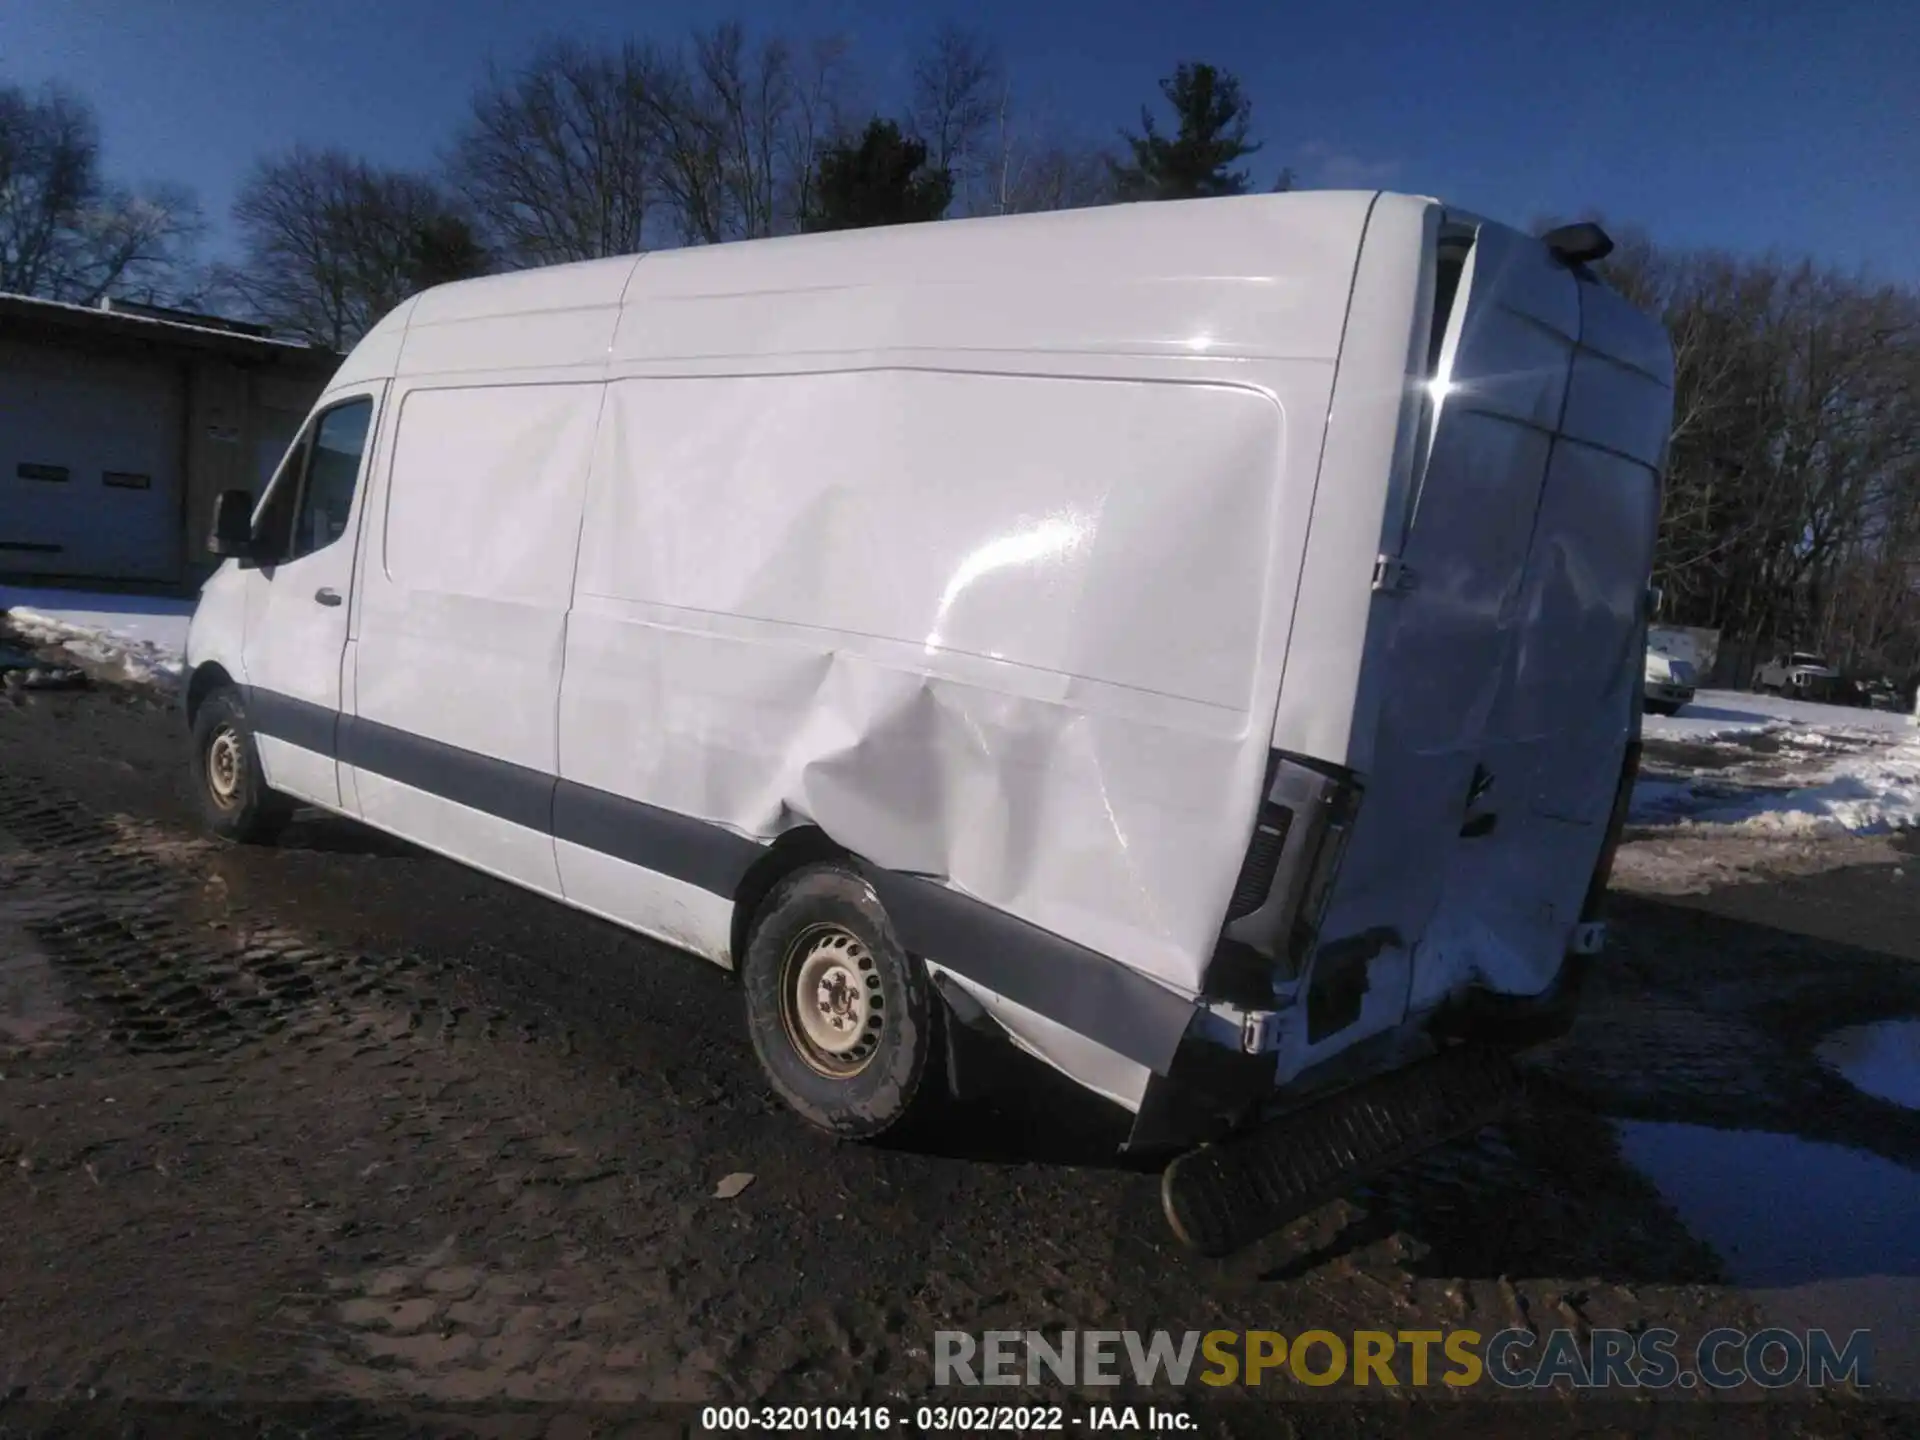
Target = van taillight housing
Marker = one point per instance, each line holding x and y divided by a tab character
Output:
1286	878
1335	827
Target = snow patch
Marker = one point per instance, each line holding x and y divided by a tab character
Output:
1776	766
1866	794
1706	723
1722	714
141	638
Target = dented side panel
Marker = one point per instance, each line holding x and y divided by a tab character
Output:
1016	633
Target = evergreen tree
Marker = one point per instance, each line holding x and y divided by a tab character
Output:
880	178
1211	117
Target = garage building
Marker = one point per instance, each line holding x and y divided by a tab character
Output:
120	423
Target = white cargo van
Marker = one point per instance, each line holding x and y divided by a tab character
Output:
1202	641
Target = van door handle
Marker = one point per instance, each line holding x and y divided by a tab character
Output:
327	596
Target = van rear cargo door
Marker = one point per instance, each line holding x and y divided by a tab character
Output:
1510	665
1572	666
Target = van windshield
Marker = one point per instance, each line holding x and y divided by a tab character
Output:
1802	658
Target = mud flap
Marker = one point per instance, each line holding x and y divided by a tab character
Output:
1219	1198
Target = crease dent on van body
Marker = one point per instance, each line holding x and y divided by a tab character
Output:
979	790
1005	799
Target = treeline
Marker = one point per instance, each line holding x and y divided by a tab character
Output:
581	153
1792	511
1791	516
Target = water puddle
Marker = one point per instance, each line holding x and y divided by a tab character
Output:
1780	1210
1882	1059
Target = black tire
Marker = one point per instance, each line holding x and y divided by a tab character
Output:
1662	707
228	783
826	920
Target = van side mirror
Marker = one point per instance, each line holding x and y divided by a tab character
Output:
232	525
1656	599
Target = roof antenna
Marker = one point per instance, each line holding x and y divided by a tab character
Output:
1581	243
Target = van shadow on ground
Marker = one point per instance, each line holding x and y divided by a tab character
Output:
1686	1131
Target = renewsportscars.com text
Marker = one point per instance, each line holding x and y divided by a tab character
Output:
1511	1359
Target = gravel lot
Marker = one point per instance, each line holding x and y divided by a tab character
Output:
339	1119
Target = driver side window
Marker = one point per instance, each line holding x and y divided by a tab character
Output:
312	499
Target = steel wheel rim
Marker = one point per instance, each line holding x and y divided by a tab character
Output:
830	1001
224	766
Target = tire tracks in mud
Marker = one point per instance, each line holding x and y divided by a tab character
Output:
417	1229
212	1013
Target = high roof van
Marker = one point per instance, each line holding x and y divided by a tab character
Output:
1200	642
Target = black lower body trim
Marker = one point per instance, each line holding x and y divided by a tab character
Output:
691	851
298	722
1082	989
495	787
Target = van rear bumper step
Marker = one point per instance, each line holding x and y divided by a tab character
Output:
1221	1197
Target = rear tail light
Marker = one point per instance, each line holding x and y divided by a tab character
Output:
1616	826
1287	878
1263	860
1323	868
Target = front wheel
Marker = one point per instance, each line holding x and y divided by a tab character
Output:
841	1016
229	784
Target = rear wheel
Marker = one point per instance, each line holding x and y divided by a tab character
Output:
841	1016
1662	707
229	784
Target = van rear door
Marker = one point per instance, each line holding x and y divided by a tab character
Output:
1511	668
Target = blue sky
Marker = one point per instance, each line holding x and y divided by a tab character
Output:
1751	124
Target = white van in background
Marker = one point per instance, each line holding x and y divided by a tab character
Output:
1201	641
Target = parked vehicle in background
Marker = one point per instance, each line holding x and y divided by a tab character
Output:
1193	640
1799	673
1881	693
1697	645
1669	683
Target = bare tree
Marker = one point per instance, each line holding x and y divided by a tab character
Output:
747	97
691	153
66	233
585	153
561	161
739	125
959	92
1062	176
1791	504
823	105
1028	165
333	243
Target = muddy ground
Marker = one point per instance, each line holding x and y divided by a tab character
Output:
341	1119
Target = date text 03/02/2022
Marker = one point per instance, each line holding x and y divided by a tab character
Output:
938	1419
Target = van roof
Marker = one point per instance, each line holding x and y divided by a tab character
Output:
1305	239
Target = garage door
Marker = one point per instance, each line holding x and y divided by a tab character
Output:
89	465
